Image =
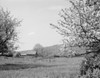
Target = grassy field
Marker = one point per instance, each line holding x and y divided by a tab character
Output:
29	67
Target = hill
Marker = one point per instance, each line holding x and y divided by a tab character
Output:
48	51
54	50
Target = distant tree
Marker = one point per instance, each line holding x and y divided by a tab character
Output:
8	34
38	48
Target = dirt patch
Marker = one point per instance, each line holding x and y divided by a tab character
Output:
21	66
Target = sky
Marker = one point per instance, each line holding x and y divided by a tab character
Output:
36	16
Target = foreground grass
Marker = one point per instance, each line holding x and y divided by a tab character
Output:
39	68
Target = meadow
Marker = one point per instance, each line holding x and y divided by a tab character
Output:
31	67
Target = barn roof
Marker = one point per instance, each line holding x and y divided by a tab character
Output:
27	52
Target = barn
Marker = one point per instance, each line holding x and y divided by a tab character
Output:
28	53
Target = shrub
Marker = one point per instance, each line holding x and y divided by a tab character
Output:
90	68
18	54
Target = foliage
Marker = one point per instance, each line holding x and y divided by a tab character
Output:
39	49
80	26
18	54
8	34
90	68
37	46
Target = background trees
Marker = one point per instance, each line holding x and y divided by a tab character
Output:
8	34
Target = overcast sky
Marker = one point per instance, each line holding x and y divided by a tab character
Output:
37	16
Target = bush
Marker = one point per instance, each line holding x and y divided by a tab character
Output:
10	54
90	68
18	54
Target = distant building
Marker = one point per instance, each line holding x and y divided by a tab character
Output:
28	52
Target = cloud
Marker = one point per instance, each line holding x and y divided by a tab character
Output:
31	33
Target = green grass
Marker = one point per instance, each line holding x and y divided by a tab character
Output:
29	67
